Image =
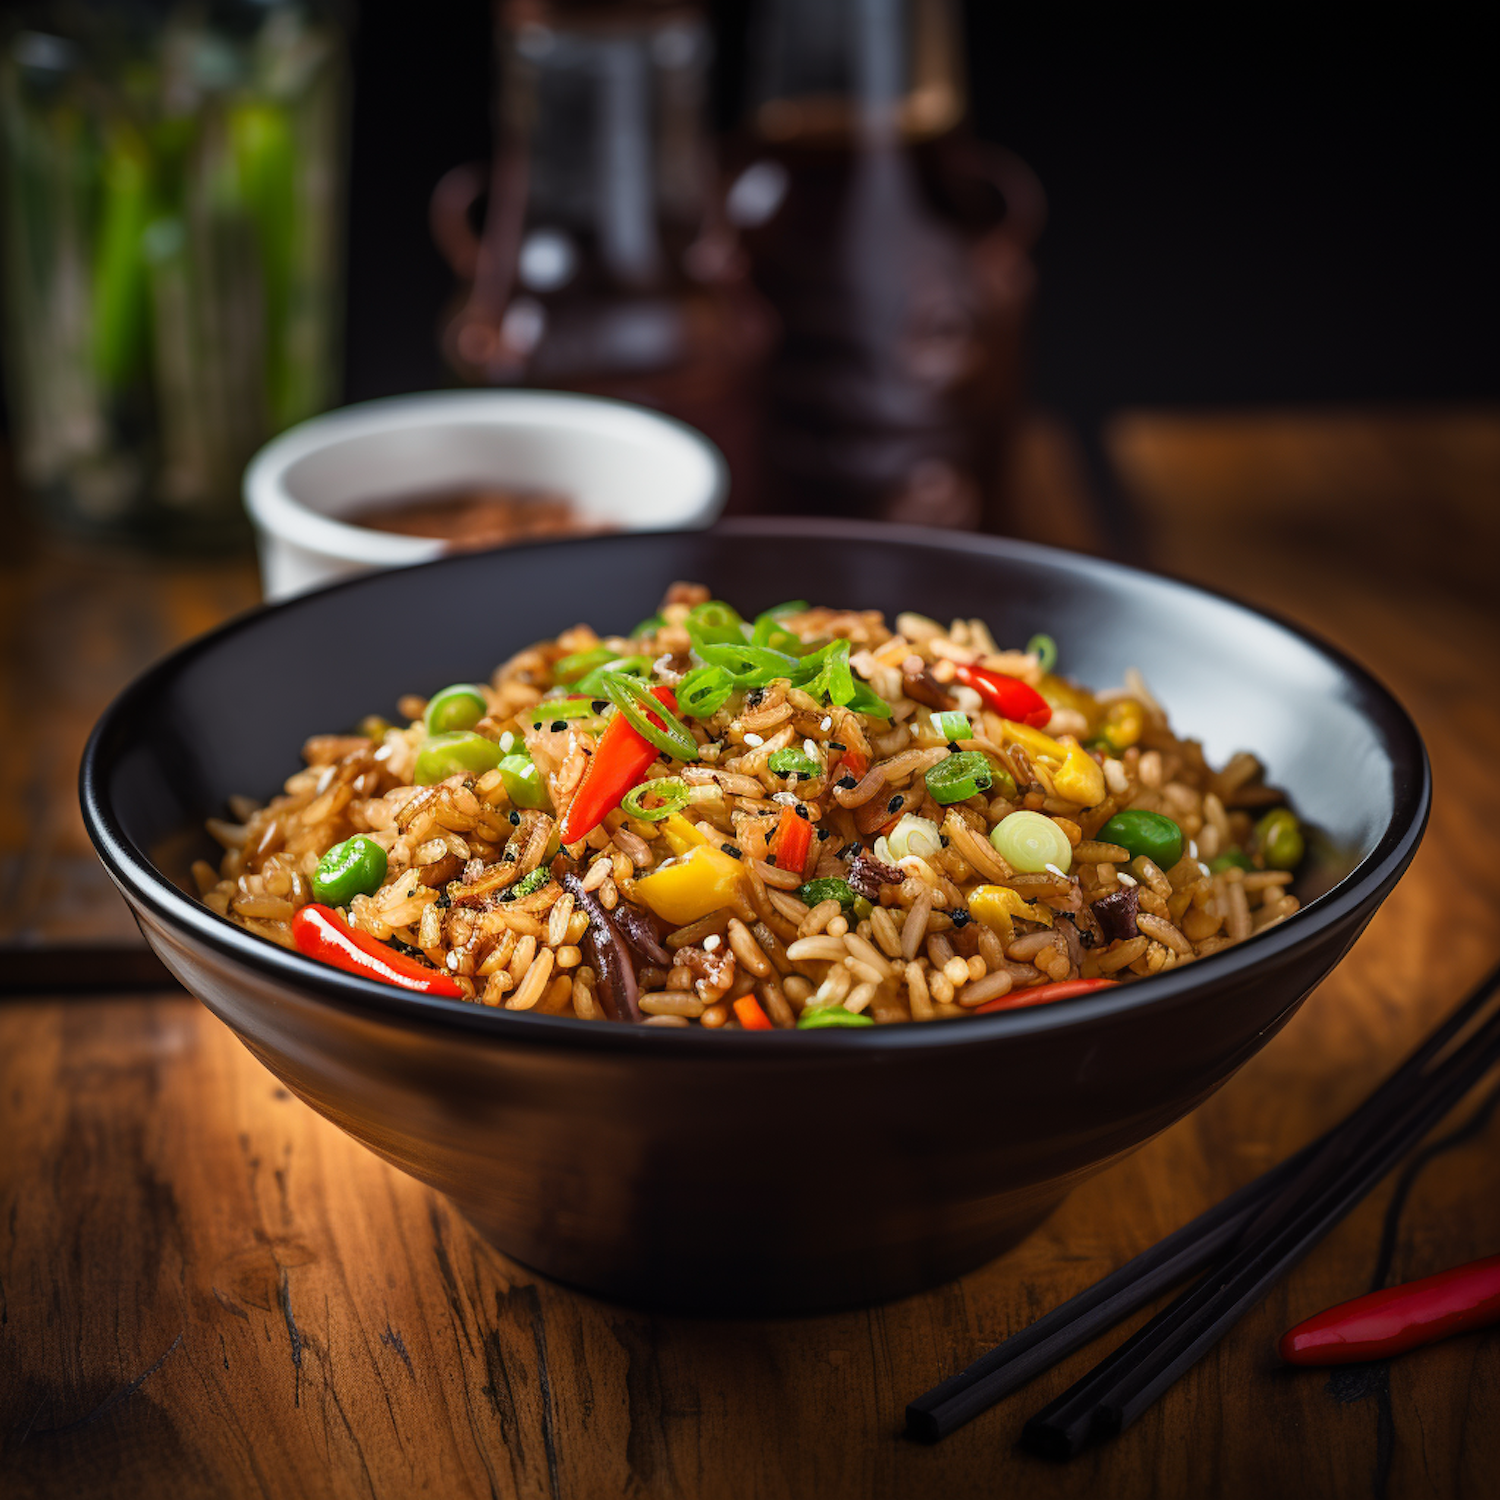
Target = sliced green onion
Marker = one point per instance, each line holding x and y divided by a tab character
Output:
571	668
461	706
825	673
794	762
769	631
831	1015
953	725
561	708
671	792
749	666
650	717
523	782
648	626
592	685
529	885
1044	648
459	750
704	691
715	622
958	777
827	889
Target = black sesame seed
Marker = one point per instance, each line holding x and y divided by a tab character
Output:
599	705
801	811
943	839
443	902
824	833
771	860
559	724
895	804
515	819
731	851
847	782
850	850
960	917
834	745
953	747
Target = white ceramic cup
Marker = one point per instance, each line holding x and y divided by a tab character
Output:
620	465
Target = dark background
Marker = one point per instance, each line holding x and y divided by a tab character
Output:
1286	211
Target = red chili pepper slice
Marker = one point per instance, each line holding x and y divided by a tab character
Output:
792	840
1044	994
321	933
854	763
620	759
1008	696
1398	1318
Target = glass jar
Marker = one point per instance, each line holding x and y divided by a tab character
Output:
173	212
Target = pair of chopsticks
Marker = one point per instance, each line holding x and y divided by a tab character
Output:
1250	1241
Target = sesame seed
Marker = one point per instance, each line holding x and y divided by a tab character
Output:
847	782
835	745
711	942
826	725
515	819
1192	848
960	917
754	740
1125	879
895	804
559	724
809	749
731	851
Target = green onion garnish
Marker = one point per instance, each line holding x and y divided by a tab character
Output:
671	793
560	708
571	668
592	685
649	716
825	1016
769	630
647	626
749	666
953	725
827	889
704	691
959	777
865	700
1044	648
715	622
794	762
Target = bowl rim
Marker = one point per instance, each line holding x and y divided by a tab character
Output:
278	513
142	883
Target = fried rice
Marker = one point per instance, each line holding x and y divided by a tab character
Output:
901	906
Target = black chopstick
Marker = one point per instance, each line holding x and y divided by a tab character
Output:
1042	1344
1112	1395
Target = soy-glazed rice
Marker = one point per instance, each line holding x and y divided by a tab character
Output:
883	919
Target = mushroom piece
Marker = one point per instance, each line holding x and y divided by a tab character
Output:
607	954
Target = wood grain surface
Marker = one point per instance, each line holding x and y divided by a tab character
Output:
207	1290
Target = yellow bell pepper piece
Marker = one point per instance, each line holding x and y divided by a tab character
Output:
1123	722
701	881
1037	745
680	834
997	906
1080	778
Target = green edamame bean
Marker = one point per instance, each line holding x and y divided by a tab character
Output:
1278	836
354	868
523	782
461	706
830	1015
445	755
1230	859
1145	833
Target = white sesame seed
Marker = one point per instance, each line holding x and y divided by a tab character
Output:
1192	848
826	725
1203	867
754	740
786	799
1125	879
711	942
809	749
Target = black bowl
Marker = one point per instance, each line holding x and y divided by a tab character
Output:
748	1171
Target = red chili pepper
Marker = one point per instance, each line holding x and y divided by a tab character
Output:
1008	696
854	763
321	933
1398	1318
1044	994
792	840
620	759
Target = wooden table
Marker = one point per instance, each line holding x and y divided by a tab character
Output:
205	1289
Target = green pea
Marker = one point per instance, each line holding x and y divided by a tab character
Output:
1278	836
1030	841
354	868
461	706
1150	834
523	782
446	755
830	1015
1230	859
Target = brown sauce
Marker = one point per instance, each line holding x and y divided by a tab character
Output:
475	516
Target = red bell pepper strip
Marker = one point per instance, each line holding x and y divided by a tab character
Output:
751	1016
620	760
1008	696
1044	994
321	933
791	841
1398	1318
854	763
